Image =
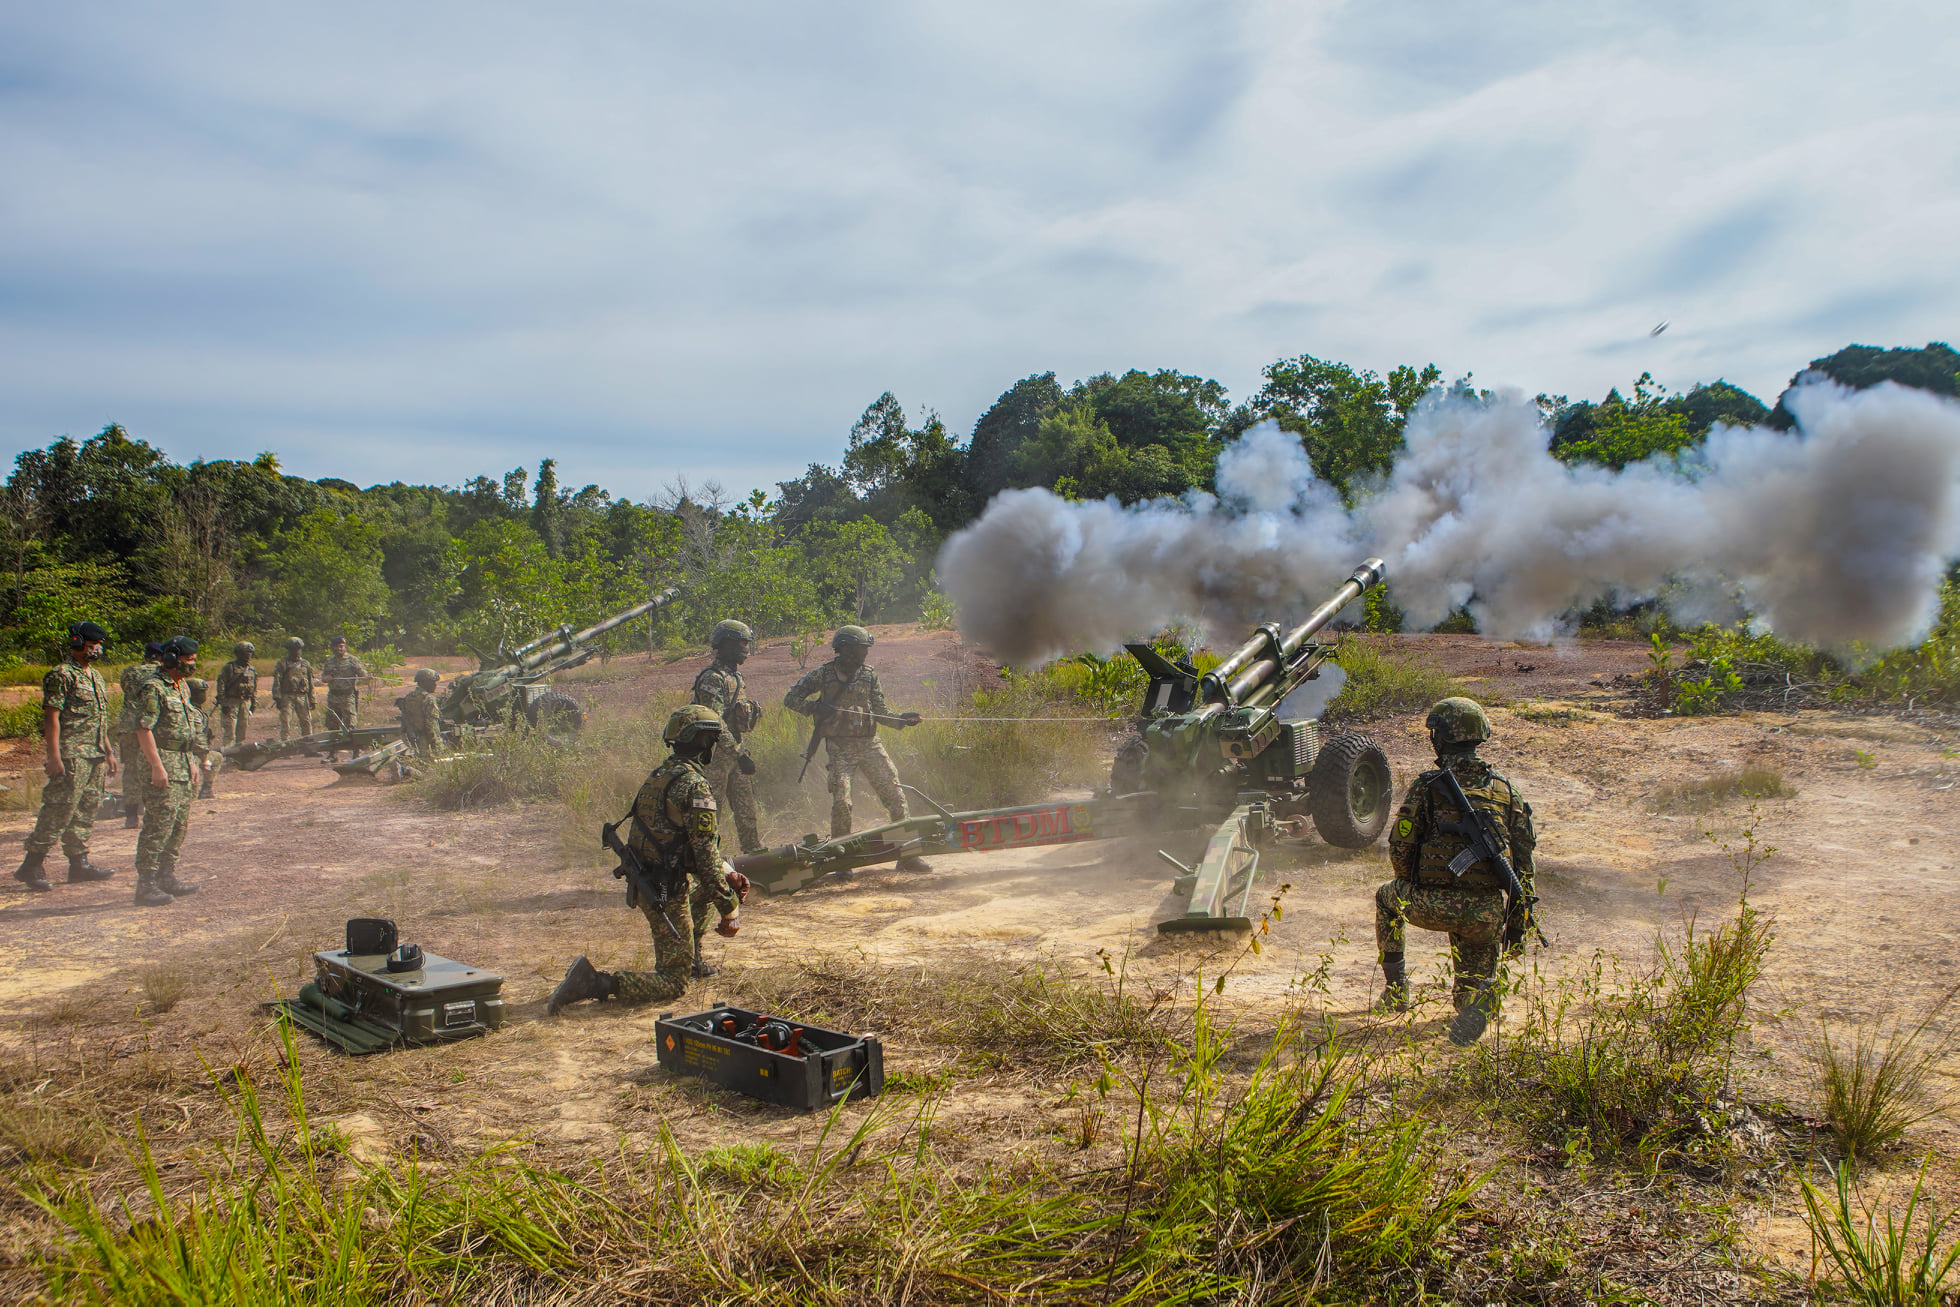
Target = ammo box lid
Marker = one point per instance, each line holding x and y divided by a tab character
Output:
438	975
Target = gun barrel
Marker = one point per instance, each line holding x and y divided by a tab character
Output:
564	640
1263	658
1366	577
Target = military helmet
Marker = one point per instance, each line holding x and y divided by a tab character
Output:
243	649
730	630
856	635
1457	720
686	727
427	678
295	643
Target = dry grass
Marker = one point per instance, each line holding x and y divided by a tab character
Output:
1752	781
164	986
1883	1078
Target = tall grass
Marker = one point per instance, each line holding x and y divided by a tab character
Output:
1888	1268
1276	1184
1384	679
1750	781
1882	1079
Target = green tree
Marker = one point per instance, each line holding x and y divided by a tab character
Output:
1013	420
857	566
327	577
1349	422
1935	368
1628	431
546	509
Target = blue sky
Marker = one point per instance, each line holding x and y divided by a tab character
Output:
662	240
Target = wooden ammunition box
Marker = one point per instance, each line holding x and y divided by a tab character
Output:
829	1066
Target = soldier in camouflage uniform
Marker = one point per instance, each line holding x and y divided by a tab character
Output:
133	765
1472	907
78	760
844	697
204	749
171	733
720	687
673	834
238	694
343	674
421	716
292	690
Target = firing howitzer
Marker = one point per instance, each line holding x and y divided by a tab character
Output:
1212	749
1487	844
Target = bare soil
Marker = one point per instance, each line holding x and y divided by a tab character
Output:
1862	887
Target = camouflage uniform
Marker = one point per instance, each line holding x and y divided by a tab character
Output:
720	687
343	674
421	722
1470	907
181	733
80	698
676	807
292	694
135	770
850	736
238	695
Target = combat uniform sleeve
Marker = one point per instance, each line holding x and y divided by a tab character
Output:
1411	826
149	705
874	694
711	689
699	820
802	696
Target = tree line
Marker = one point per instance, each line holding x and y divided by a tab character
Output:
111	528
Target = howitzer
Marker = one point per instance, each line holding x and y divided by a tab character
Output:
1210	749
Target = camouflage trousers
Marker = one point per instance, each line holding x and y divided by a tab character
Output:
295	712
867	755
68	804
673	957
735	793
342	714
135	773
232	722
166	820
1472	916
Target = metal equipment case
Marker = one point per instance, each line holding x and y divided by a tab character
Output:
830	1066
357	1003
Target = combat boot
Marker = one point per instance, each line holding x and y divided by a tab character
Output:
167	881
1395	992
701	969
1476	1003
80	869
148	895
30	874
913	862
582	981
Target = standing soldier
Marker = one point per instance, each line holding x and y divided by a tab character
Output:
170	732
77	758
673	836
1437	888
421	716
844	699
292	690
343	674
133	767
238	694
207	757
720	687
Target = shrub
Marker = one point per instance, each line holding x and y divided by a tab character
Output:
1383	680
1753	781
1881	1080
21	721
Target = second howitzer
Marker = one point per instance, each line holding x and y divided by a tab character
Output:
508	688
1213	749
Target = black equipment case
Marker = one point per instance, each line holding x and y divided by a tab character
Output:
365	1002
826	1065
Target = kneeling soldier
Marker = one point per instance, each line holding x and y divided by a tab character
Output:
1469	902
674	838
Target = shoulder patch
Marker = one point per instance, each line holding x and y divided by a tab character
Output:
704	821
1404	828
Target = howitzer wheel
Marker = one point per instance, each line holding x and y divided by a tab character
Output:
1352	791
555	713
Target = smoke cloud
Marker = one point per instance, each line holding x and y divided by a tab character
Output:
1837	532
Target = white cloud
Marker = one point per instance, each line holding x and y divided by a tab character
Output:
663	239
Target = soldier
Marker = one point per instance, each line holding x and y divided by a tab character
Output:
720	687
170	731
238	694
421	716
673	833
77	758
133	767
209	760
1471	907
343	674
292	690
844	698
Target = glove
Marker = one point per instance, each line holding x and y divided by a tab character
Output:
730	925
745	764
910	718
741	886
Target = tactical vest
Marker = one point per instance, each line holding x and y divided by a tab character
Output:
292	678
721	687
844	696
237	682
1492	794
661	838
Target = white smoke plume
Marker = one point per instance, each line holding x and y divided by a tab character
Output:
1835	533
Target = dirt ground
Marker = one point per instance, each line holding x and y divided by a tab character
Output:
1861	884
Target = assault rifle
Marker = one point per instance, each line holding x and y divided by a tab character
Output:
1486	844
641	886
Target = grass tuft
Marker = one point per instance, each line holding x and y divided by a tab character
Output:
1752	781
1383	679
1882	1079
1890	1267
164	986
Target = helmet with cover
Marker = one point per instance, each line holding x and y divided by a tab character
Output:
426	678
243	649
294	644
693	726
1456	723
849	637
730	630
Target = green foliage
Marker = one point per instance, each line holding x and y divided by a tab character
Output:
1350	422
1625	431
1881	1079
328	578
1935	368
855	566
1383	680
1904	1265
21	721
42	604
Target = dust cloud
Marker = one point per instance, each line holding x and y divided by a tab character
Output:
1833	534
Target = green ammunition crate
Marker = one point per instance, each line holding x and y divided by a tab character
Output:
357	1003
830	1065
